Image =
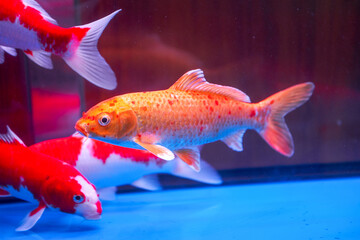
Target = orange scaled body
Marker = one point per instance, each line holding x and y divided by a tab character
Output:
190	113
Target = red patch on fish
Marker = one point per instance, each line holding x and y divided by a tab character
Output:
252	114
53	38
56	149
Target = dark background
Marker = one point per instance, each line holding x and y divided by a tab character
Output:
260	47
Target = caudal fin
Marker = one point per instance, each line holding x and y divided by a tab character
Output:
86	59
275	132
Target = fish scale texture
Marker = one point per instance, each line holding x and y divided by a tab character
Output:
185	118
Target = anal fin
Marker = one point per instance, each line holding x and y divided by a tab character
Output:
41	58
190	156
158	150
148	182
31	219
234	141
9	50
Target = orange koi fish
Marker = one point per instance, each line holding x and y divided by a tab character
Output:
192	112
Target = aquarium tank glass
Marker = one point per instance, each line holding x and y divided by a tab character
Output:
258	47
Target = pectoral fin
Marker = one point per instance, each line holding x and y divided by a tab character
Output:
148	182
107	194
157	150
31	219
190	156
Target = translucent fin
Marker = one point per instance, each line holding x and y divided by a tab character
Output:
234	141
190	156
194	80
2	57
41	58
4	193
9	50
275	132
207	173
157	150
31	219
43	13
10	137
107	194
148	182
86	59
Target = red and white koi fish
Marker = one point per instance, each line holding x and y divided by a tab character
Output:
25	25
192	112
44	180
107	165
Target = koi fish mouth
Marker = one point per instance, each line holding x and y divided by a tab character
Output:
81	128
92	217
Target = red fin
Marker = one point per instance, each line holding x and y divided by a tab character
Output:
10	138
190	157
275	132
4	193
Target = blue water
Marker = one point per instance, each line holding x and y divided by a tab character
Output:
322	209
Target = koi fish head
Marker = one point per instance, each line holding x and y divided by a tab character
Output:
75	195
110	120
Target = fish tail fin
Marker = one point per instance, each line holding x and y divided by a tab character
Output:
275	131
85	59
207	174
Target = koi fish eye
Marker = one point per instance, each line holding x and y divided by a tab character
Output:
104	119
78	198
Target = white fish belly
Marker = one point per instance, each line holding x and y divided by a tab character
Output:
17	36
116	171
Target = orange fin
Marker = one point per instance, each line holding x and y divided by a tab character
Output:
157	150
234	141
194	80
190	156
275	132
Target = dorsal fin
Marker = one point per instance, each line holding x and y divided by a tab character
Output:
44	14
10	137
194	80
